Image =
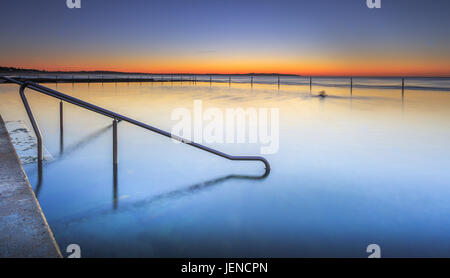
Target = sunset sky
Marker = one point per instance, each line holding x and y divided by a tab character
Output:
314	37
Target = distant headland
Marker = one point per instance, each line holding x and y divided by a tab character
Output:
12	70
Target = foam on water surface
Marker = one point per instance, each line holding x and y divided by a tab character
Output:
25	142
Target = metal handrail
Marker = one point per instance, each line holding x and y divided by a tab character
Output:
116	117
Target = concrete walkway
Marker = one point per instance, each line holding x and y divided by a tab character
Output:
24	232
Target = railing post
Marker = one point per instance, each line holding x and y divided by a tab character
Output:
403	85
61	127
115	142
115	166
351	85
39	182
403	90
33	122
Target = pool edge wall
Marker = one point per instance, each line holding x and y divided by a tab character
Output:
24	231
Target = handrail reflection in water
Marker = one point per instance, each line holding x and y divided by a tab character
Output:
179	193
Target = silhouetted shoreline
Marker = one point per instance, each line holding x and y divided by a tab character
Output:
14	70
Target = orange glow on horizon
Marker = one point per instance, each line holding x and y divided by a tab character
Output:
310	66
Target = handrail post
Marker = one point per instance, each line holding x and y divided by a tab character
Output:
115	143
61	126
115	166
33	121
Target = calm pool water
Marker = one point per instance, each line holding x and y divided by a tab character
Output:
351	170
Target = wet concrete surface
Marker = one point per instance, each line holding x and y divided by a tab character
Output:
24	232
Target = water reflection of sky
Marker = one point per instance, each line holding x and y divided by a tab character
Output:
351	170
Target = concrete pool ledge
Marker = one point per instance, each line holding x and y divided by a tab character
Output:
24	232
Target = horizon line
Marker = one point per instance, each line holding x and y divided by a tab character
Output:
18	69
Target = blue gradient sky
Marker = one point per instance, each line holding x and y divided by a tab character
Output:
320	37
